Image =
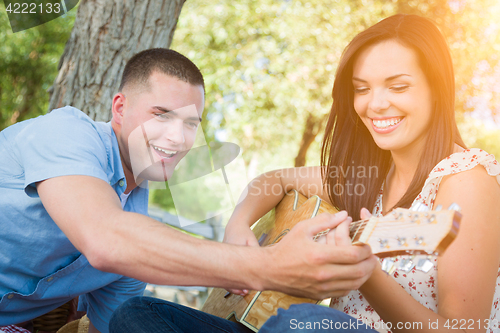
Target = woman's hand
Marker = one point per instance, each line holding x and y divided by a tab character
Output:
239	234
365	214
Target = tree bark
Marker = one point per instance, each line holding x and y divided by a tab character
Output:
106	34
312	128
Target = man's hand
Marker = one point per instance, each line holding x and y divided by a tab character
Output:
301	267
339	235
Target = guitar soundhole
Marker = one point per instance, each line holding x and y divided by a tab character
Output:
280	236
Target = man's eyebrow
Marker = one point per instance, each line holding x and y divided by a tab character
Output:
354	78
162	109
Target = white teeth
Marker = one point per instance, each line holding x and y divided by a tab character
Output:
168	152
386	123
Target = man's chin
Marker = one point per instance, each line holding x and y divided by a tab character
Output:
156	173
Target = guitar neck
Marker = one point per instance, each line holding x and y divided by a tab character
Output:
355	230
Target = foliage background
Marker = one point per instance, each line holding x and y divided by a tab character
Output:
28	66
269	68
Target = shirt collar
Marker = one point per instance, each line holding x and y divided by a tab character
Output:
115	167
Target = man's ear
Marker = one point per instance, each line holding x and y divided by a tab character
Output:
117	108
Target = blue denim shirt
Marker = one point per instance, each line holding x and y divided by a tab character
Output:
39	267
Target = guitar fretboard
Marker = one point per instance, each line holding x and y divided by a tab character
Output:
355	230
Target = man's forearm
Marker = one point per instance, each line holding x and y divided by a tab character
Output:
150	251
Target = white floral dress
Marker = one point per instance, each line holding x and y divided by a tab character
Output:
423	286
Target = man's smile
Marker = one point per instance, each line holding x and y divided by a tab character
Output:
164	152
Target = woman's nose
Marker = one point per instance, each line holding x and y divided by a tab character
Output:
379	101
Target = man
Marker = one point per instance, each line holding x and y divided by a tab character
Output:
73	216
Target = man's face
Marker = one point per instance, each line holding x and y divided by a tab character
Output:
158	126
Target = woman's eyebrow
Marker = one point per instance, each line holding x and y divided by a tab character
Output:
396	76
354	78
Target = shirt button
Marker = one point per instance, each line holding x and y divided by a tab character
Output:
10	296
50	279
121	183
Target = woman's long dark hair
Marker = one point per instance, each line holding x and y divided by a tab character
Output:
348	143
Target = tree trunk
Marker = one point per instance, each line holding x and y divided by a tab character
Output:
106	34
311	130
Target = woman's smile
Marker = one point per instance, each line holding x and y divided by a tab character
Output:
386	125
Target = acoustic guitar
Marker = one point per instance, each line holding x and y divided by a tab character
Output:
401	232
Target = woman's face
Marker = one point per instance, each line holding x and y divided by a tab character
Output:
392	96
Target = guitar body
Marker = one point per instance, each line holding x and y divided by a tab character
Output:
256	307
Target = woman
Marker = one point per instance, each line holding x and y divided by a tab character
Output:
393	111
393	108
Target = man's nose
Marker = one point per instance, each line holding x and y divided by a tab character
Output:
175	132
379	101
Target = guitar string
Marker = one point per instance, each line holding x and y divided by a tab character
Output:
352	225
381	231
364	221
361	225
384	217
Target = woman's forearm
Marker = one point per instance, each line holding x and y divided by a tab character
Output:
266	191
260	196
400	310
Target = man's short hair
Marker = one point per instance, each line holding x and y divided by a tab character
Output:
169	62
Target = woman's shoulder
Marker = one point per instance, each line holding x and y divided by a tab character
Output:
468	156
471	170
